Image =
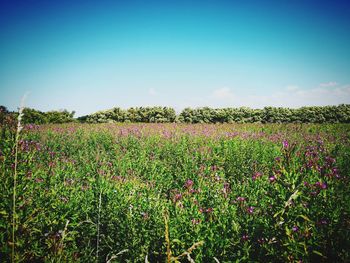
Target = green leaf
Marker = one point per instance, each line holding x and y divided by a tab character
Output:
279	212
305	218
177	241
318	253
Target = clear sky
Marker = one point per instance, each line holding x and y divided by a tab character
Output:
93	55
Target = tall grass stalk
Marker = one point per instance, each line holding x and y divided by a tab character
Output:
187	253
166	234
14	192
98	226
61	244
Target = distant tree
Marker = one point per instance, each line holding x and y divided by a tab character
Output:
62	116
38	117
3	113
33	116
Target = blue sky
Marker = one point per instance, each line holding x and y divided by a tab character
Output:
93	55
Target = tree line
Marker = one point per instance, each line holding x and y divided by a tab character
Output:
33	116
314	114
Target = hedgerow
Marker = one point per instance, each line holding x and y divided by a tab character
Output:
324	114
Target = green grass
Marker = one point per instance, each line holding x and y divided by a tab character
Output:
249	192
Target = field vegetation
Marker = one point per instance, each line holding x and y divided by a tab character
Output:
175	192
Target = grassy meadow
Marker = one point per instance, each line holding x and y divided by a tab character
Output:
175	193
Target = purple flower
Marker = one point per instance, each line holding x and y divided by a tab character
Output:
206	210
209	210
250	210
39	180
214	168
240	199
195	221
314	193
335	172
272	179
330	160
285	144
192	191
189	183
295	228
256	176
245	237
177	197
261	240
321	185
323	222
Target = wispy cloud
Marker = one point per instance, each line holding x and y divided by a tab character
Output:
223	93
292	88
298	97
292	96
152	92
328	84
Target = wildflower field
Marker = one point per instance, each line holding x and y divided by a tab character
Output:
175	193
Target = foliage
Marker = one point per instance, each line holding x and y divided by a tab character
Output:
152	192
326	114
138	114
32	116
8	120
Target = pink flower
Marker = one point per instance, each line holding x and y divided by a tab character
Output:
272	179
245	237
321	185
209	210
39	180
256	176
240	199
189	184
195	221
192	191
250	210
177	197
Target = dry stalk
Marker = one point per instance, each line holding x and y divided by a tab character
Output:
14	193
167	240
187	253
98	227
60	246
109	260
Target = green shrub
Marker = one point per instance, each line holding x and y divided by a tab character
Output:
32	116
